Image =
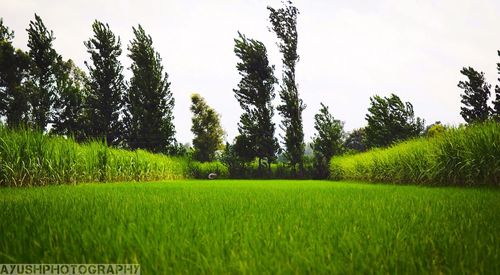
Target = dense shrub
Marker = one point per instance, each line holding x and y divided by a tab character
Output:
29	158
459	156
279	170
201	170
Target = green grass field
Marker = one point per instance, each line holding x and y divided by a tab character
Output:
259	227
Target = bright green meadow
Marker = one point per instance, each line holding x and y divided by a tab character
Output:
258	227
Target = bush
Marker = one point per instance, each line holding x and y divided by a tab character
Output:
459	156
201	170
435	130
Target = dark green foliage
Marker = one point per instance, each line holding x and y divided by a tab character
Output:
14	66
328	140
284	24
7	52
496	102
180	150
106	85
390	120
71	91
475	96
231	159
5	33
241	166
201	170
244	147
41	82
149	101
255	93
356	140
208	132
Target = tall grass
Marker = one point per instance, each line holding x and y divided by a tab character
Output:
30	158
460	156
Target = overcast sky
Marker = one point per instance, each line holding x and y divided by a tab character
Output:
349	50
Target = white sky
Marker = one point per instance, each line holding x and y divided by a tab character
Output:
349	50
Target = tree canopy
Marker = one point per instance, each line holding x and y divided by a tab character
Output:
41	85
14	65
390	120
355	140
71	94
328	140
255	93
208	133
106	85
284	24
149	100
476	93
496	102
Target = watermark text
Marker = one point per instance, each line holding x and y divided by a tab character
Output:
70	269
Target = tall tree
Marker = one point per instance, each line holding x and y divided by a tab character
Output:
496	102
284	24
150	103
328	140
208	133
13	72
390	120
255	93
106	85
41	73
475	96
71	91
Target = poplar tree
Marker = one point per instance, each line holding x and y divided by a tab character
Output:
149	100
255	93
284	24
476	92
41	72
106	85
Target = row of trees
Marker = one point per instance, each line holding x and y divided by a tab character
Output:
40	89
255	93
389	119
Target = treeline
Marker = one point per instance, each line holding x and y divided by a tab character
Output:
40	89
